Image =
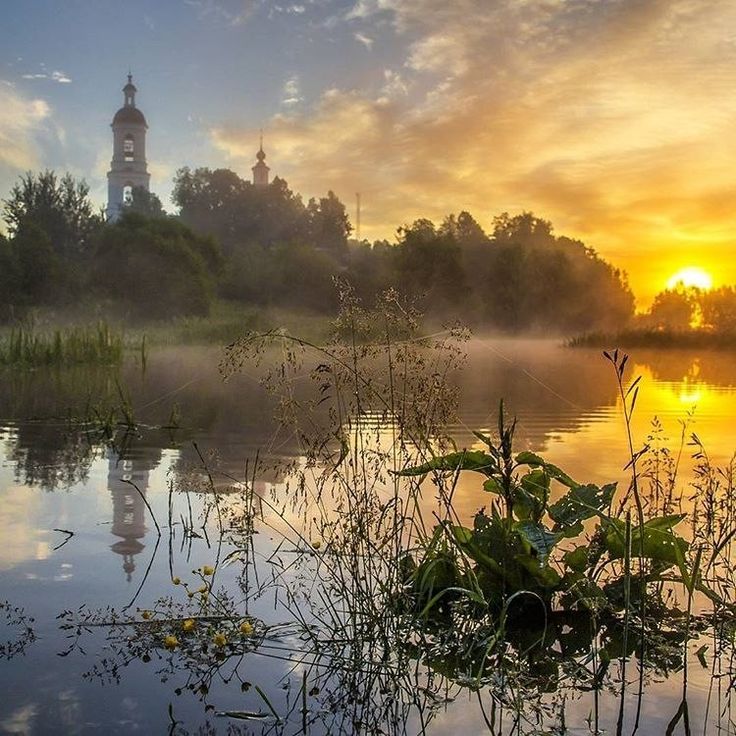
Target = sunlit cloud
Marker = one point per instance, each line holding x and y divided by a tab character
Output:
21	118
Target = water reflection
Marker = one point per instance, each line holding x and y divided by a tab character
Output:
127	480
567	406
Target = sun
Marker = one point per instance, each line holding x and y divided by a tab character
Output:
691	276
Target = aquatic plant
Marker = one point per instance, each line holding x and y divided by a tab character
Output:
32	348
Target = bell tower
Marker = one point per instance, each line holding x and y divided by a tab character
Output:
260	170
128	167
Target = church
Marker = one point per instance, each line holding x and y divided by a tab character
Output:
128	168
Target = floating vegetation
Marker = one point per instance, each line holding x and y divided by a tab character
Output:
32	348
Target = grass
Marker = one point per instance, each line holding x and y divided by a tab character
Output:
226	322
31	348
229	320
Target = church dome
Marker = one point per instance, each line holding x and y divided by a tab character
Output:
130	115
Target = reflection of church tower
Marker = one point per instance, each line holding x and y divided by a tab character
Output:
128	168
260	170
128	508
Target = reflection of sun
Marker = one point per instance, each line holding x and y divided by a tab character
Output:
691	276
690	395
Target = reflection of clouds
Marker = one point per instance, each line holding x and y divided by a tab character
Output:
70	711
23	540
21	720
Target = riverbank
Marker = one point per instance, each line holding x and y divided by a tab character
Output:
653	338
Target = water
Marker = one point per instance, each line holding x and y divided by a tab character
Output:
74	533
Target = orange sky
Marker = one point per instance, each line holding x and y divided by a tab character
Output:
615	119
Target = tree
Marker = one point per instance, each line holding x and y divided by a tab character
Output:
9	277
39	269
428	263
718	309
155	267
145	203
61	208
328	224
211	202
673	309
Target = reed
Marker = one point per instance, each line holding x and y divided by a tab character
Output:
30	348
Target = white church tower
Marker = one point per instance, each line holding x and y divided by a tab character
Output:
128	167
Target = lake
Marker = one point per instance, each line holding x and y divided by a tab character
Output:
93	460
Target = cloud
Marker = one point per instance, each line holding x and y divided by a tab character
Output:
361	38
614	119
230	12
55	76
290	92
21	119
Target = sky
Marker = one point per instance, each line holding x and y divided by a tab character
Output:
613	119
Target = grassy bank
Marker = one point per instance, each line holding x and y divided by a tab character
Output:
652	338
228	321
88	335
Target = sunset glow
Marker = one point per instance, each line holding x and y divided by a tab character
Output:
691	276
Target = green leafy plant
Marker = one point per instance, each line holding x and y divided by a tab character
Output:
527	548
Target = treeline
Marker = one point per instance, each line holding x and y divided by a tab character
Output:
688	308
265	246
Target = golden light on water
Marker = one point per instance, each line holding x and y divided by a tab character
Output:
691	276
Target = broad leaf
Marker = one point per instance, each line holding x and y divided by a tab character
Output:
540	539
530	497
535	461
493	486
576	559
476	460
581	503
545	575
529	458
660	543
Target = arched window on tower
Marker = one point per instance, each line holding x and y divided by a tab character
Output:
127	195
128	147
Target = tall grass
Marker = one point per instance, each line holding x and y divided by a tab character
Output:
26	347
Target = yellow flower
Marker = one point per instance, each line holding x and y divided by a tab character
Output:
207	570
190	594
146	615
188	625
316	544
246	628
176	580
219	639
171	642
202	589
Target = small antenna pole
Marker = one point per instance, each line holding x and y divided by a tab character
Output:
357	215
